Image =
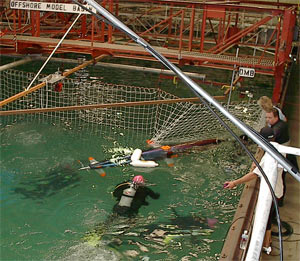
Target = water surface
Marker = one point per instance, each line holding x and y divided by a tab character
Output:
50	209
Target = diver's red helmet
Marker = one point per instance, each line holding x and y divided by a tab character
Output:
139	180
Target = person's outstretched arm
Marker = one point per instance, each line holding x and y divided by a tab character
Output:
244	179
152	194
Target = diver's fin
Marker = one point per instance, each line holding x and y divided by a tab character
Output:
99	170
92	239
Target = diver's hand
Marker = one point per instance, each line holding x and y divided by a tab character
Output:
157	195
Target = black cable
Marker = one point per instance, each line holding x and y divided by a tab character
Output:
288	230
160	58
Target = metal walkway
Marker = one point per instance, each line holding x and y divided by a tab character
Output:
121	49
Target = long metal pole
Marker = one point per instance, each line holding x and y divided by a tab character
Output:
232	79
258	139
101	105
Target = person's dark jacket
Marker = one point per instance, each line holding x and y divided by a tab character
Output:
281	132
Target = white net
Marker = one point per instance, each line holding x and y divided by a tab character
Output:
189	121
175	122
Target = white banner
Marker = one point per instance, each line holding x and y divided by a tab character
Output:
51	7
246	72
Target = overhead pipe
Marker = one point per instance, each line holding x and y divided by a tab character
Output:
15	64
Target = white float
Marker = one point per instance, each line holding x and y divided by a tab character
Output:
137	162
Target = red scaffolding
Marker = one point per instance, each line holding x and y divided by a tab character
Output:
198	33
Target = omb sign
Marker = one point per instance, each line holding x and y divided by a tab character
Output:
246	72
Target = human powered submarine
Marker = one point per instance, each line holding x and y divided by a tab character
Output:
147	158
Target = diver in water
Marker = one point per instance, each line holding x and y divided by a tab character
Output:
131	195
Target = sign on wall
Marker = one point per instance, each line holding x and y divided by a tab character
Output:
52	7
246	72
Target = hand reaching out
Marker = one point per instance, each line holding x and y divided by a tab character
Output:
229	185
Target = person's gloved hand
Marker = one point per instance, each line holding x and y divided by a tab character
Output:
157	195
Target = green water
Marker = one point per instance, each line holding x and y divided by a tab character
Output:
48	205
49	208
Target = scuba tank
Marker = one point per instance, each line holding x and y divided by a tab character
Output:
127	197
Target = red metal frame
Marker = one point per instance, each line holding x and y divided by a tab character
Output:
173	26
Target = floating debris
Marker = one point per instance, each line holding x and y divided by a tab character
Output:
131	253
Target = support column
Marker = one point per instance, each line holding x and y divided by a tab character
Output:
192	24
285	47
279	74
203	29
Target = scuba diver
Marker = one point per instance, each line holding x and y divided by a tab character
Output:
131	195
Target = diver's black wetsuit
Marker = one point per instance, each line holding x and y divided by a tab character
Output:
139	199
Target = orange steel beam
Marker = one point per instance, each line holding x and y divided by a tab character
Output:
192	25
181	31
158	24
267	45
176	33
285	46
232	40
182	37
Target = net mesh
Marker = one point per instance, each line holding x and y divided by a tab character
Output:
164	123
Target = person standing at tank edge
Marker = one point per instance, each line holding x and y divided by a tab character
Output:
131	195
266	105
267	133
281	136
280	127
